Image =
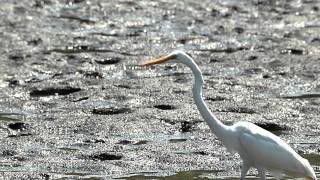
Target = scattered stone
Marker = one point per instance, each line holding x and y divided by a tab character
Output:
17	126
94	141
124	142
292	51
239	110
109	60
252	58
111	111
54	91
141	142
8	153
164	107
239	30
106	157
186	126
216	98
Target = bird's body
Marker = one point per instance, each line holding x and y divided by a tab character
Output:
257	147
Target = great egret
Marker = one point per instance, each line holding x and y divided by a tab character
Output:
257	147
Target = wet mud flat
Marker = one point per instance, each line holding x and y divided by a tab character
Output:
76	104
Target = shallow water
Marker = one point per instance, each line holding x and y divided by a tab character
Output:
75	104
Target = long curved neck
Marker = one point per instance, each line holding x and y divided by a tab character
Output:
219	129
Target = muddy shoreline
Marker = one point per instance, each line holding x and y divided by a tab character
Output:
76	104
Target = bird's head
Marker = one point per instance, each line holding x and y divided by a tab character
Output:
176	56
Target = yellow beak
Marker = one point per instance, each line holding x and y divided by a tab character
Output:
158	61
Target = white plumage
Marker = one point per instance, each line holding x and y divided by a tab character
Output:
257	147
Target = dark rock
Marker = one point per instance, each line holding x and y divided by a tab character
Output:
292	51
110	60
252	58
111	111
105	156
53	91
13	83
253	71
216	98
34	42
141	142
17	126
164	107
239	110
203	153
266	76
215	12
124	142
239	30
16	57
94	141
186	126
9	152
94	74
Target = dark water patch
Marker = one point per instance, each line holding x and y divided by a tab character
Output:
124	142
252	58
225	50
266	76
315	41
238	30
125	86
215	12
187	126
78	49
244	110
177	140
111	111
253	71
186	152
85	49
80	99
215	60
75	18
49	91
203	153
13	83
114	34
93	74
292	51
106	156
109	60
216	98
165	107
34	42
17	126
106	34
16	56
8	153
302	95
95	141
273	127
68	148
20	134
141	142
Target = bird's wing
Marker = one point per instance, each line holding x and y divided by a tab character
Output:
266	149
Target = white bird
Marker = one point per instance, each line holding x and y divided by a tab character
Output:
258	148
